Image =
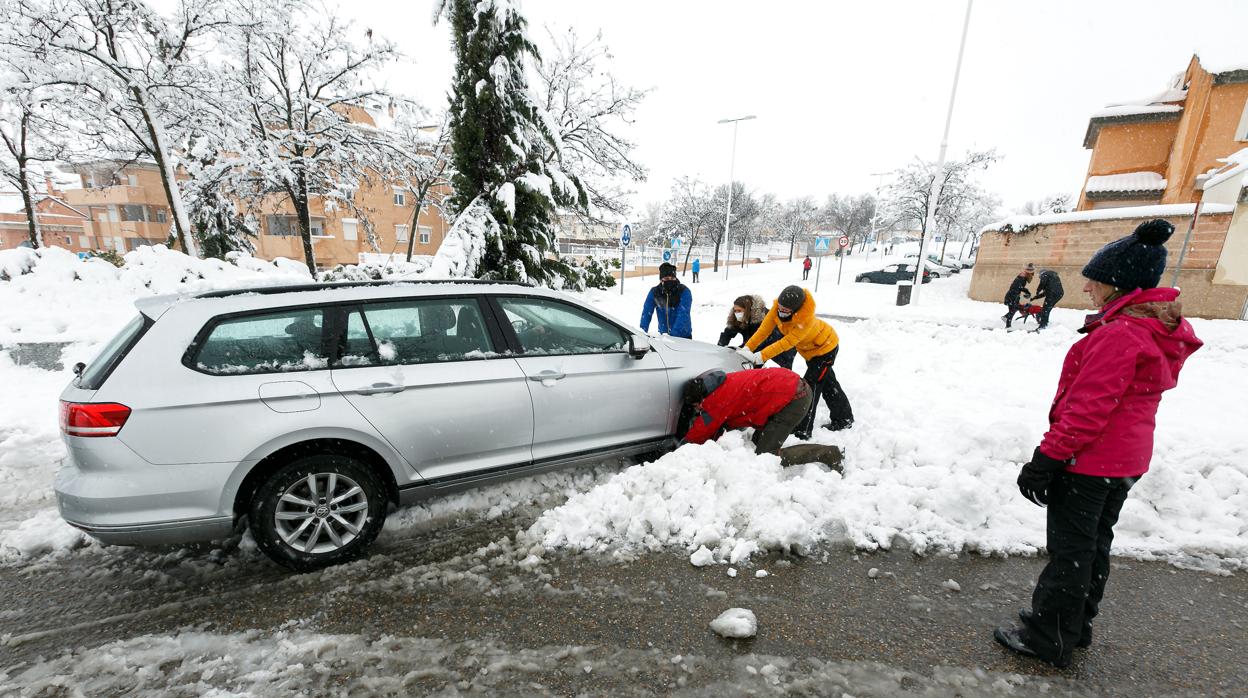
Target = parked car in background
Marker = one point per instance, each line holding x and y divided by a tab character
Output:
307	412
936	268
891	274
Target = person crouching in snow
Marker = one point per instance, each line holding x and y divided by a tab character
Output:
793	314
670	300
1100	437
1017	290
745	318
771	400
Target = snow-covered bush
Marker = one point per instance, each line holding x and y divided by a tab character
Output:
596	274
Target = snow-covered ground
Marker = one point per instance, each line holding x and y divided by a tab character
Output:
947	406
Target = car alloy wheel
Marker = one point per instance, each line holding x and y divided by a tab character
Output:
318	511
321	513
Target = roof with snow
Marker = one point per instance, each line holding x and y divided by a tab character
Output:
1126	183
1021	223
1236	163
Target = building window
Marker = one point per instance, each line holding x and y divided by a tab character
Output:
318	228
400	233
161	216
400	198
288	226
86	241
426	233
350	229
1241	133
132	180
134	213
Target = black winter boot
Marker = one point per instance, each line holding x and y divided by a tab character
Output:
1015	639
1085	640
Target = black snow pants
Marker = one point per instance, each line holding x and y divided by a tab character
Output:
1081	517
822	380
1049	302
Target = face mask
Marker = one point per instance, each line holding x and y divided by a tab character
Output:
784	315
670	284
739	316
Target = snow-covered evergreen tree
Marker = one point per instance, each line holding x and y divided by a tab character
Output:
508	157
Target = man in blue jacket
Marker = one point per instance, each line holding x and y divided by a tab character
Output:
697	269
670	301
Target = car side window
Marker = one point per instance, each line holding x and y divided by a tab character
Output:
417	332
279	342
545	326
892	268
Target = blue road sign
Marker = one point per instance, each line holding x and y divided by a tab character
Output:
823	244
627	236
667	255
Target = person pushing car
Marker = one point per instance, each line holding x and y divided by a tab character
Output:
771	400
794	314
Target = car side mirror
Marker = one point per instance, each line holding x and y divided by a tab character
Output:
638	346
79	368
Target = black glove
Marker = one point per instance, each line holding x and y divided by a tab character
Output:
1035	477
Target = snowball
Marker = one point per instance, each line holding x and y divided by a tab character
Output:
950	585
760	574
732	571
702	557
735	623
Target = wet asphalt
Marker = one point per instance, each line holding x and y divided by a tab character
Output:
1163	630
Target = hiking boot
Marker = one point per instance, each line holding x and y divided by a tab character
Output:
1085	640
802	435
1014	640
1006	319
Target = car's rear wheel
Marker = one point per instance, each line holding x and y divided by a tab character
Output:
318	511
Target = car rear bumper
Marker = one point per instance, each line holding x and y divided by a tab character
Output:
117	498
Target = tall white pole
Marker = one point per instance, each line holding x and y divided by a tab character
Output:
732	164
929	224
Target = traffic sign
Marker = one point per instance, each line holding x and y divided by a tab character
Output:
675	243
667	255
843	241
823	244
627	236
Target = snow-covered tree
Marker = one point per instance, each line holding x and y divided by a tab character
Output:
590	110
796	218
690	213
1053	203
508	156
304	82
30	130
424	171
851	216
132	69
746	211
960	196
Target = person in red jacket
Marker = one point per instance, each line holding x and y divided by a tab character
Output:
1100	437
772	400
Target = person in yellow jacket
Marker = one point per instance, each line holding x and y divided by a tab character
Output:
793	314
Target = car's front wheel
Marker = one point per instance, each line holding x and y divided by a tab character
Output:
318	511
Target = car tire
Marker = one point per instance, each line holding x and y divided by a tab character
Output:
306	529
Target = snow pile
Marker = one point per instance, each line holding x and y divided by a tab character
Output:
735	623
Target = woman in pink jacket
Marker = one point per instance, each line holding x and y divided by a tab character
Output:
1100	436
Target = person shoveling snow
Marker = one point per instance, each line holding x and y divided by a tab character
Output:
772	400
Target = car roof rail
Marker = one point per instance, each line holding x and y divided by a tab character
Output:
331	285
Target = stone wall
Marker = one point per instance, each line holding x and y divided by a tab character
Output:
1066	247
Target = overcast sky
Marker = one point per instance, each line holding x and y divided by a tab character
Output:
844	90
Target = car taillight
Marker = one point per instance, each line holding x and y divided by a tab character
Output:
93	418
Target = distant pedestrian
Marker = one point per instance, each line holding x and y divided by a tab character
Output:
671	301
1018	289
745	318
793	314
1050	289
697	268
806	265
771	400
1100	437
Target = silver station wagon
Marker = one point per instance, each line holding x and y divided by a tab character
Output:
306	412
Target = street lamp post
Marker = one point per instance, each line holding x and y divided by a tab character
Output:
929	224
732	163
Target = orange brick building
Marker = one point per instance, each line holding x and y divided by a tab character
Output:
60	224
1163	157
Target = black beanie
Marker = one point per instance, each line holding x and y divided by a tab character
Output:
792	297
706	383
1135	261
666	269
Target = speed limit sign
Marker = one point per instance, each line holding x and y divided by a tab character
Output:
843	241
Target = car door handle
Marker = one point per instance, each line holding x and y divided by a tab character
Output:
379	388
547	376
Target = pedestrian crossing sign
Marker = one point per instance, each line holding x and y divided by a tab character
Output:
823	244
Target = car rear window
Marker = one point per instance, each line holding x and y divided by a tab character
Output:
101	366
278	342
